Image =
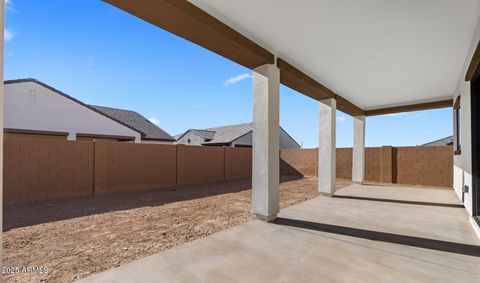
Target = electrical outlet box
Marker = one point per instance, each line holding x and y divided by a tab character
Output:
465	189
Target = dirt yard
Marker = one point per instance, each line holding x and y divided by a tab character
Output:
76	237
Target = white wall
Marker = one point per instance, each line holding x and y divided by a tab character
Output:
245	140
286	142
194	139
30	106
462	169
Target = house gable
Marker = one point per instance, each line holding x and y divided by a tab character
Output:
33	106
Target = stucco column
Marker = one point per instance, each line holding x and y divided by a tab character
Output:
358	158
327	147
266	159
2	26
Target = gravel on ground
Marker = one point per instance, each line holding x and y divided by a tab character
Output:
76	237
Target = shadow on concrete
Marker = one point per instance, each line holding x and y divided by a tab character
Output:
22	215
418	242
401	201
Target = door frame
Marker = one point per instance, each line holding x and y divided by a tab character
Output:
475	144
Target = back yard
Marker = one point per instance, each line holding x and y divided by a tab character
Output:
79	236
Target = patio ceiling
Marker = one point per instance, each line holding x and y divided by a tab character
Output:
374	56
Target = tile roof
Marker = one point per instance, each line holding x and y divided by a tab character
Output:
224	135
229	133
444	141
136	121
205	134
221	135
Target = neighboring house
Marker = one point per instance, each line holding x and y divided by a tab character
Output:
152	133
444	141
35	108
239	135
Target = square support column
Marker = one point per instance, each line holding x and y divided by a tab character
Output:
266	142
358	158
327	147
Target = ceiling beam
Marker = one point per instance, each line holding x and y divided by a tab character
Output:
412	107
186	20
297	80
474	63
348	107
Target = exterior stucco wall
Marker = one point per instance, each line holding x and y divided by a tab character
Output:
462	169
194	139
245	140
286	142
30	106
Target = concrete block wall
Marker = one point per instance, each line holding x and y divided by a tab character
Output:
429	166
133	167
40	169
373	164
299	161
200	164
238	163
305	162
344	163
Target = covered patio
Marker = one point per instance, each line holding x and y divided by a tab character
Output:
364	58
383	234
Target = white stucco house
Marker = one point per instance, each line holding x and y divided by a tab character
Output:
238	135
35	108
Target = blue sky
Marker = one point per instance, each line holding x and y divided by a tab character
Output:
101	55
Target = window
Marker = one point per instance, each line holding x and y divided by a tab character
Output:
456	127
188	141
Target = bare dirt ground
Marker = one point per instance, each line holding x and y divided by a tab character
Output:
76	237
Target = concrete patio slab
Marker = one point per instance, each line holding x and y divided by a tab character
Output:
364	234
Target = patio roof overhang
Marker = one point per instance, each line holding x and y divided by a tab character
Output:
374	57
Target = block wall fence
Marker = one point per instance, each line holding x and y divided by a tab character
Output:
416	165
38	169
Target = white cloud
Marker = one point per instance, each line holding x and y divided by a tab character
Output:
394	114
8	35
234	80
9	5
154	121
409	114
419	115
341	118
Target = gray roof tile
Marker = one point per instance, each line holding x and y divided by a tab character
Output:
136	121
205	134
229	133
445	141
